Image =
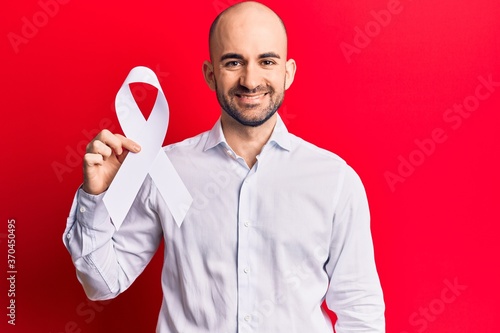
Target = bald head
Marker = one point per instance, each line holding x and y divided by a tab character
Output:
244	15
248	68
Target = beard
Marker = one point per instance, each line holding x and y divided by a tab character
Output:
250	115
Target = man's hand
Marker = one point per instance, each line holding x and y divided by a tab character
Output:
104	156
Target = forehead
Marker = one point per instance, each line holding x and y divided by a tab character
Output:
249	35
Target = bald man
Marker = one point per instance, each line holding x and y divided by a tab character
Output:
277	227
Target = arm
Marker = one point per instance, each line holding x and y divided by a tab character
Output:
354	294
108	261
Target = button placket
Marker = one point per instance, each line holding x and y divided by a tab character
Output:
245	293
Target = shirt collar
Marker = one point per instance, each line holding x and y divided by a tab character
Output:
215	136
279	136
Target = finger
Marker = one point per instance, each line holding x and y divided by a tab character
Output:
111	140
98	147
129	144
90	160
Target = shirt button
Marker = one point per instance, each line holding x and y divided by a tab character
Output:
246	270
82	209
247	318
247	224
68	236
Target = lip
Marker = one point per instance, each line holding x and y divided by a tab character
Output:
250	97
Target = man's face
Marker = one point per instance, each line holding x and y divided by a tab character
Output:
250	71
249	106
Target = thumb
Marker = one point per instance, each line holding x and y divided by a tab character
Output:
122	156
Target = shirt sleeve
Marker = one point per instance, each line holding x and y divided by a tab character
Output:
107	261
355	293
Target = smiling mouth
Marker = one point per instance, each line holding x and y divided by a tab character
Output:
250	97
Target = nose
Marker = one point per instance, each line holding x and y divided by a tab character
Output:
250	77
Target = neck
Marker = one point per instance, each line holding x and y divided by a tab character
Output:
247	141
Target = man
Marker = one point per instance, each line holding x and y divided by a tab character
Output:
277	225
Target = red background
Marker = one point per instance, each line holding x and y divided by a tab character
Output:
438	226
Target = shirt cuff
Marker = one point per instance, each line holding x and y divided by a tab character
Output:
90	210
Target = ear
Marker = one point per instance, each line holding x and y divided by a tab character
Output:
290	68
208	74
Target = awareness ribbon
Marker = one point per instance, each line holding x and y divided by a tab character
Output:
152	160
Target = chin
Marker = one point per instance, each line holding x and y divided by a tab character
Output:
254	122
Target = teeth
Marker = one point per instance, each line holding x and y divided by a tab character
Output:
252	97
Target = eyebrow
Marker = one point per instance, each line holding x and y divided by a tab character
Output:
240	57
269	55
231	56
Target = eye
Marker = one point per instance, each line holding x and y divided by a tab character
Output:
267	62
232	63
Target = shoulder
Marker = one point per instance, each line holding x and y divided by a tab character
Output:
189	144
323	158
309	150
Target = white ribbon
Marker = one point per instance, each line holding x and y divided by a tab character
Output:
151	159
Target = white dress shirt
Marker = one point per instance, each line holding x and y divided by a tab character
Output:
260	249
